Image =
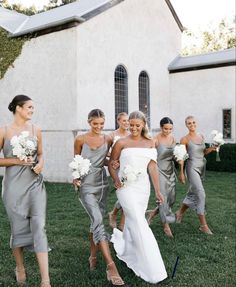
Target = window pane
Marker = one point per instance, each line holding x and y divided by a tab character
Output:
227	124
144	95
121	91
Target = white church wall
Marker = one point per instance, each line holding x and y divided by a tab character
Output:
204	94
46	72
141	35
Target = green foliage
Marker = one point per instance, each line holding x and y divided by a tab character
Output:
217	38
227	156
205	261
10	49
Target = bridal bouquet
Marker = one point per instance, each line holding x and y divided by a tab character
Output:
180	152
130	174
80	167
23	146
217	140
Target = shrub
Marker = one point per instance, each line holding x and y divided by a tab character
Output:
227	156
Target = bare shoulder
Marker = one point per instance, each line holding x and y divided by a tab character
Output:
79	139
37	129
109	139
184	140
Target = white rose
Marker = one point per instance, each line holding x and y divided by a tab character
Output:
14	141
75	174
214	132
131	177
30	145
73	165
25	134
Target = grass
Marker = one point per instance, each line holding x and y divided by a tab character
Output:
204	260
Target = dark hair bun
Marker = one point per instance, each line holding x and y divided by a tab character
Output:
165	120
11	107
19	100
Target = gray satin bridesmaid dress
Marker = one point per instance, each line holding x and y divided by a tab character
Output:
167	179
94	190
195	169
24	197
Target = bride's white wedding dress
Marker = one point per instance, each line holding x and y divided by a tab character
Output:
136	245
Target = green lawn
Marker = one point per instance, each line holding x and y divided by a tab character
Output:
204	260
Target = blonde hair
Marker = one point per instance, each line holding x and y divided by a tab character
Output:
188	118
120	115
140	115
96	113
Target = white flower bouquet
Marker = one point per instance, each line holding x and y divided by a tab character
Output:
130	174
80	167
23	146
217	140
180	152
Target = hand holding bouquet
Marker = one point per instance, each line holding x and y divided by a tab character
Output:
80	168
217	140
23	147
130	174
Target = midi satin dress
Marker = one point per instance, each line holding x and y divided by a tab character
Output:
24	198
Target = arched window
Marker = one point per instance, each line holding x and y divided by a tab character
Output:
121	91
144	94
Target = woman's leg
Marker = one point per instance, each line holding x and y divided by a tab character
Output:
42	258
180	213
20	269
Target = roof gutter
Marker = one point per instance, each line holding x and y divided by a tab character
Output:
48	25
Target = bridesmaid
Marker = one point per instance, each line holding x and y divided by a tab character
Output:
121	132
94	145
165	144
23	191
195	169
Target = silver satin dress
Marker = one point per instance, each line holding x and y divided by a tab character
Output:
195	169
167	179
94	190
24	197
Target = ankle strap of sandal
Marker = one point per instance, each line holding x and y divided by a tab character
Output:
112	262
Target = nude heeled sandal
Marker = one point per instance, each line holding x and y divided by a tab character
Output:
45	283
207	231
20	275
92	262
115	280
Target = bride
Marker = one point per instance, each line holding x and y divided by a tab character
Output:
136	245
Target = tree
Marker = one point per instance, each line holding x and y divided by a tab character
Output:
214	39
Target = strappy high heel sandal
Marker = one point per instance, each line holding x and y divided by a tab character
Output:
92	262
45	283
115	280
205	230
20	275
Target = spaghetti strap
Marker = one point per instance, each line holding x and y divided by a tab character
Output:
33	130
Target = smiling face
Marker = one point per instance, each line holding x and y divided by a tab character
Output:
97	125
191	124
167	129
136	126
123	122
26	111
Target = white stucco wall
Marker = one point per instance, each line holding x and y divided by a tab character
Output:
204	94
46	72
141	35
70	72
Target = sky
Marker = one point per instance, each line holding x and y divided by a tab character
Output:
194	14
